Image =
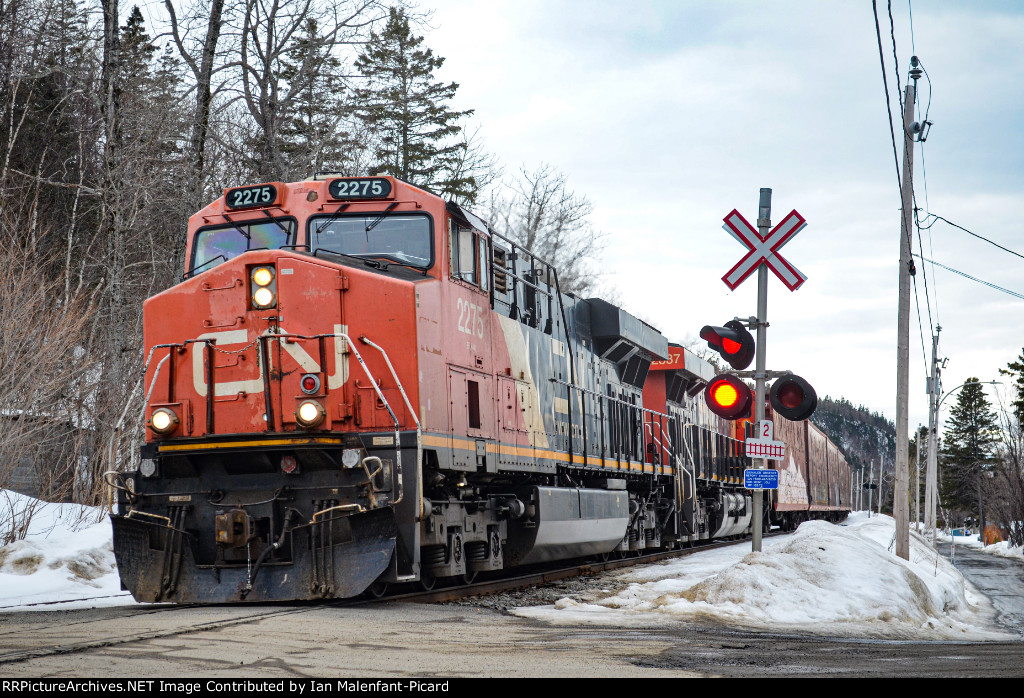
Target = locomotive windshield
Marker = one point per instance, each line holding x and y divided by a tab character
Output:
403	238
218	244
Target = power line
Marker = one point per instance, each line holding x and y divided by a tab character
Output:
895	60
888	103
973	278
913	49
920	329
927	297
980	237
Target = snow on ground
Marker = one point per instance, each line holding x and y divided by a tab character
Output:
831	580
1002	549
835	580
67	556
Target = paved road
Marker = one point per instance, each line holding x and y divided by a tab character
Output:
1000	579
400	640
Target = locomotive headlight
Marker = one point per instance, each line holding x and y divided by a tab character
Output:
310	414
163	421
263	287
263	298
262	276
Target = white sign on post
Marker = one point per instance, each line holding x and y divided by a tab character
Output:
765	445
764	250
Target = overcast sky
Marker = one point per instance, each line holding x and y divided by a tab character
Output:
667	115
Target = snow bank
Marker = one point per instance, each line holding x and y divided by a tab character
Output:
66	559
825	579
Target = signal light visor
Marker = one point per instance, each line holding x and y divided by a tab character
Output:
793	397
733	343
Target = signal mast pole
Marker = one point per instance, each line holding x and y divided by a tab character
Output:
900	495
764	226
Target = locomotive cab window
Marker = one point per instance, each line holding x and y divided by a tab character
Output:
216	244
400	237
468	254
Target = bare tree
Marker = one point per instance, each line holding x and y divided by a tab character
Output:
200	57
539	211
1004	493
43	373
268	30
474	163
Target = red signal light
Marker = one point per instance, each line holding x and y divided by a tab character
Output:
731	346
724	394
793	398
733	342
728	397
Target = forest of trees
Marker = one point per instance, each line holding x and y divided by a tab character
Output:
113	132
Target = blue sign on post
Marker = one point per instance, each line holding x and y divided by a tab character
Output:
758	479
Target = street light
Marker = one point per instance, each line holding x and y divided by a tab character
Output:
950	392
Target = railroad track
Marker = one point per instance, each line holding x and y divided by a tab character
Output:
548	575
254	613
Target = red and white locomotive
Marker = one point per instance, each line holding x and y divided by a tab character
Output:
358	385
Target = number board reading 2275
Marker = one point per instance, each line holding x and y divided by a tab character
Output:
251	197
371	188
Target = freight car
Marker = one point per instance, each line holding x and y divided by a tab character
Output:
814	477
357	385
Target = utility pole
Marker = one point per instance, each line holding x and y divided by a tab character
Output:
930	480
917	477
899	506
764	225
871	481
881	484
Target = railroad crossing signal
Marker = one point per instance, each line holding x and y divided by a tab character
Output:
764	249
733	342
793	398
728	397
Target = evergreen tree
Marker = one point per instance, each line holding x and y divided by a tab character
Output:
313	137
1015	370
417	134
968	448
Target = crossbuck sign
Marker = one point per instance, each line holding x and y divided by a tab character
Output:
764	250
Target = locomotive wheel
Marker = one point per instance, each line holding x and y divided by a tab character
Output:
427	581
468	577
378	589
